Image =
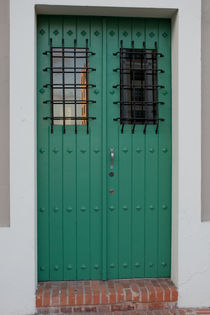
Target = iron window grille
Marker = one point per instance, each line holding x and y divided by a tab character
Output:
138	86
69	85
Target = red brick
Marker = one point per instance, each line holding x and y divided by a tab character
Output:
135	295
112	296
128	294
39	297
46	298
96	298
103	308
66	309
104	294
151	291
144	295
79	298
55	297
87	297
71	300
63	296
174	294
122	307
165	290
120	295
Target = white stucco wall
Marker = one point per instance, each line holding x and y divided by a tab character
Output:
190	237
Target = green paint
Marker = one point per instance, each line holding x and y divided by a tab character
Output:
84	232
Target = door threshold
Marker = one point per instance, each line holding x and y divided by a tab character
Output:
105	296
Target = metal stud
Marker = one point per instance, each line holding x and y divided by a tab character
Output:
96	267
42	91
97	33
69	267
164	264
56	268
111	266
164	92
125	149
151	207
138	150
125	208
83	266
42	150
125	265
112	92
96	150
83	150
164	150
164	207
69	150
151	150
56	209
69	209
83	209
111	208
150	265
42	209
42	268
96	91
96	209
137	265
138	208
55	150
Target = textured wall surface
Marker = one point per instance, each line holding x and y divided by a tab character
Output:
205	92
4	113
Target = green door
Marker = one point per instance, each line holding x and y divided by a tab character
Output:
103	147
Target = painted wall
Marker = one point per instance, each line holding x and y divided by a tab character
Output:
205	79
4	114
190	237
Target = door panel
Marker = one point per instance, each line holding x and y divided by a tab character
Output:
92	225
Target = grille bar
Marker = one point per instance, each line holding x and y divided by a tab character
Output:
61	53
138	86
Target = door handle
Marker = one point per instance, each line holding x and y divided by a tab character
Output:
112	157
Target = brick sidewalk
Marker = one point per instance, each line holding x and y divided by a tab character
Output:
192	311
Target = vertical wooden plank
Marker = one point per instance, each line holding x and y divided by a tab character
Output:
164	240
95	77
138	151
151	177
55	178
125	181
83	177
112	127
42	150
69	177
104	157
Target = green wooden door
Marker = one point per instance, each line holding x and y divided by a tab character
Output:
92	225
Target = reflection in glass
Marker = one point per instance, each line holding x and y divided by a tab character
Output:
75	80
